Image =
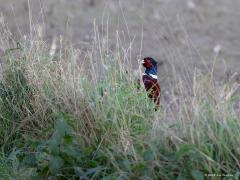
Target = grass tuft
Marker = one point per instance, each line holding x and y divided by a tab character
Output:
59	120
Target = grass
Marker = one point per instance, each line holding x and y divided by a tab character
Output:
65	119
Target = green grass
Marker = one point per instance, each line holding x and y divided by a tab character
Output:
60	120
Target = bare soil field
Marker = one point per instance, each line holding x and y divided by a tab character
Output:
196	33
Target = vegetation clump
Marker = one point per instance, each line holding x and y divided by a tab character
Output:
60	122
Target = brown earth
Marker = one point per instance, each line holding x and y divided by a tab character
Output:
176	32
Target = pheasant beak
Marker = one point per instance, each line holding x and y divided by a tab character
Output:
141	61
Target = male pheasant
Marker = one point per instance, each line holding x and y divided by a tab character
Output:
150	80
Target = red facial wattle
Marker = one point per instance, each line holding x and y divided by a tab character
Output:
147	63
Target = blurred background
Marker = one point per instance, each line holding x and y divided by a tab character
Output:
195	33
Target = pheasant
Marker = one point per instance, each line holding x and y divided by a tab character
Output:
150	80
